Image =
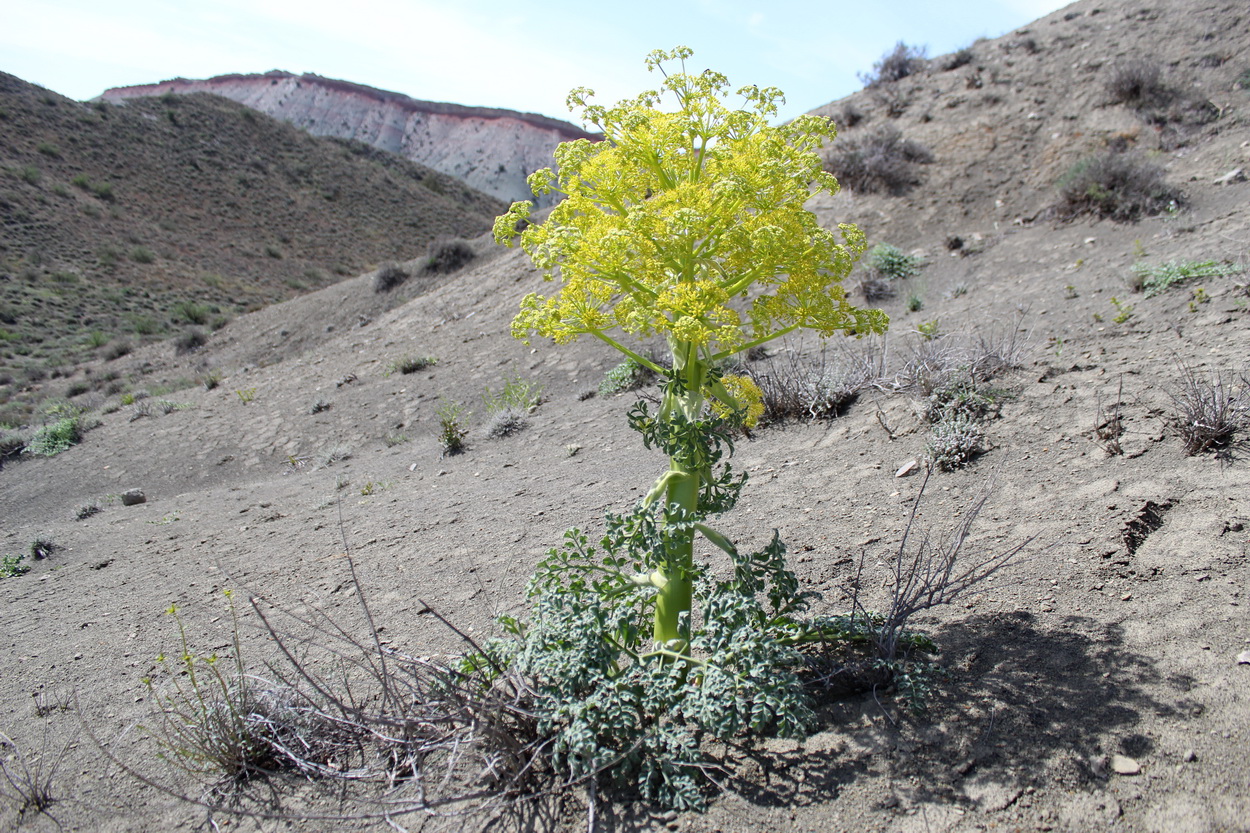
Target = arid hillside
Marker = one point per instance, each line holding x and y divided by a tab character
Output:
1070	323
490	149
125	223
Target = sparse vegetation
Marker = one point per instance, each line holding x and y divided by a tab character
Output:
52	439
447	255
626	376
954	441
1116	186
388	277
452	419
1138	82
411	364
895	65
878	160
893	262
1153	280
1210	411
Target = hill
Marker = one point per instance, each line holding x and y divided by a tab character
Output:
491	149
1096	683
125	223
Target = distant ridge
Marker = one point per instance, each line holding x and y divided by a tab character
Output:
491	149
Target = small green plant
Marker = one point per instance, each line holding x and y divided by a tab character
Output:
246	395
13	565
211	380
394	439
893	262
929	330
30	175
1123	311
626	376
1158	278
190	312
410	364
1069	292
517	394
52	439
452	417
915	302
954	441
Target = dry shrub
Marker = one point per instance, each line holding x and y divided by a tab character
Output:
1118	186
1209	412
448	255
388	277
794	389
880	160
1138	82
895	65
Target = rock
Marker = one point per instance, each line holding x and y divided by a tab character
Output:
1124	765
131	497
1235	175
908	468
1243	658
1190	756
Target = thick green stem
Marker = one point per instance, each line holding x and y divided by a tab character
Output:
682	493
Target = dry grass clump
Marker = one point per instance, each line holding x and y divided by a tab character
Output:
878	161
1209	412
388	277
1117	186
28	777
794	389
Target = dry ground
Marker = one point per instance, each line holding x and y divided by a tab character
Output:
1092	645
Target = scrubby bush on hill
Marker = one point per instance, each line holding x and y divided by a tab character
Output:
447	255
388	277
897	64
1118	186
880	160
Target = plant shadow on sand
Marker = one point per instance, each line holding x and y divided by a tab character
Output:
1018	704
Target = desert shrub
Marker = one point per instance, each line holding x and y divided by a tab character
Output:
895	65
447	255
190	312
1138	82
963	397
849	116
1117	186
506	422
626	376
12	442
411	364
1155	279
30	175
190	341
388	277
958	58
1209	411
117	349
452	429
48	149
56	437
792	389
893	262
879	160
334	454
142	254
954	441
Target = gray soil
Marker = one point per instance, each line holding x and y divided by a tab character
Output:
1115	633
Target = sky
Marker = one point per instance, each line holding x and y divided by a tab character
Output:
517	55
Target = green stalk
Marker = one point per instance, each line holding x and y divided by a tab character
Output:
676	593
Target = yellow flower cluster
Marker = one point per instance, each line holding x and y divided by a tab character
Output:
689	224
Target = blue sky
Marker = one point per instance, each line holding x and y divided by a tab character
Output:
519	55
